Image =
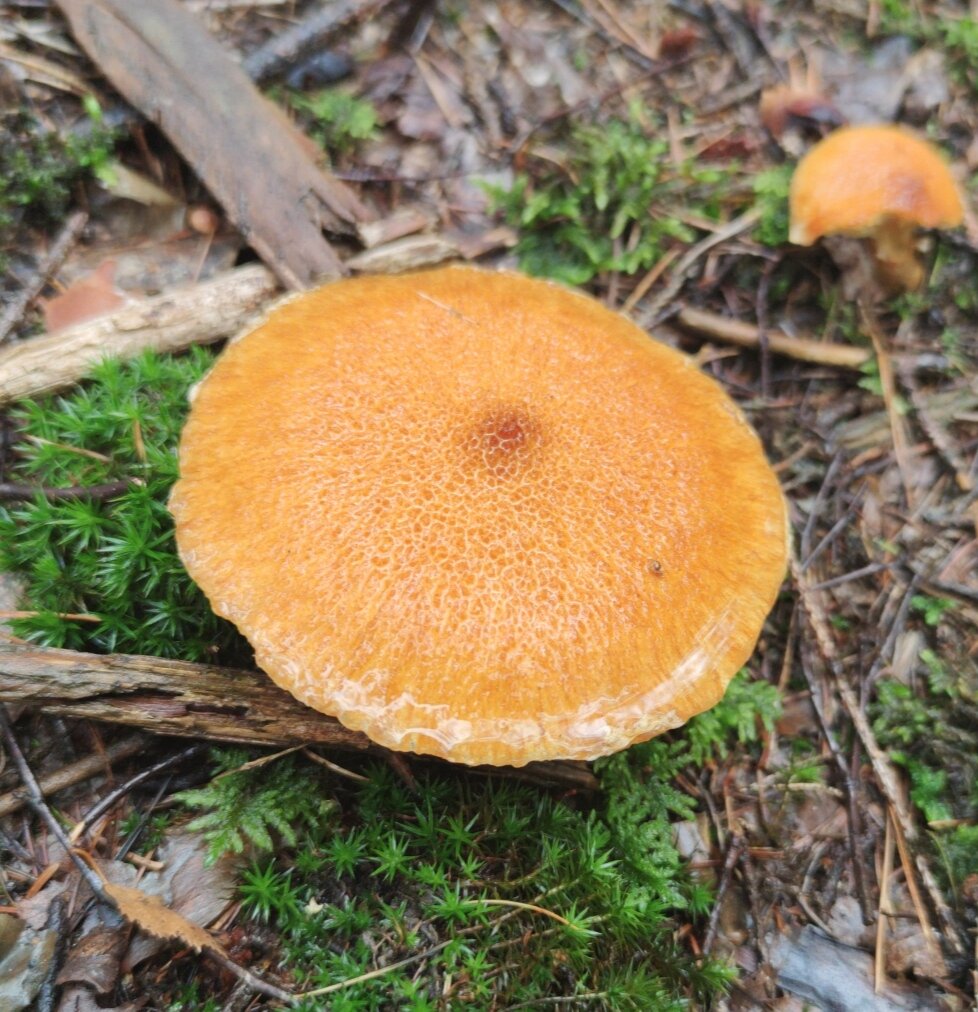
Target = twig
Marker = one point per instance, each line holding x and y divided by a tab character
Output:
67	237
109	490
99	809
805	542
836	529
197	314
47	997
630	51
67	616
883	909
886	774
734	847
687	261
841	764
34	797
285	48
889	643
76	772
898	427
856	574
36	801
746	335
922	918
333	767
816	857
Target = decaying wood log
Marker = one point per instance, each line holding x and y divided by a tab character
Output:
254	161
170	322
195	701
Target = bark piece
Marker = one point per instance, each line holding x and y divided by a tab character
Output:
254	161
198	701
169	322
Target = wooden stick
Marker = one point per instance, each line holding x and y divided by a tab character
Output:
197	701
883	909
76	772
171	322
746	335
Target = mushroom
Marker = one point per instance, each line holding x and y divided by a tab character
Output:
880	182
479	516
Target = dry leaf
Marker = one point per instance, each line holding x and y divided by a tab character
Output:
784	105
188	885
94	960
88	297
153	916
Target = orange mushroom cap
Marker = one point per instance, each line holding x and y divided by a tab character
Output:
858	176
479	516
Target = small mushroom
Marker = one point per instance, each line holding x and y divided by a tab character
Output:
880	182
479	516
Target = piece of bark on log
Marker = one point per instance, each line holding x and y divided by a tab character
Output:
197	701
196	314
256	163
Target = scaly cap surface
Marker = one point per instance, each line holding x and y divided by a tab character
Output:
856	177
479	516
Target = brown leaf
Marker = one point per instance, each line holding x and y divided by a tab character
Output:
152	915
785	105
88	297
677	42
189	885
95	959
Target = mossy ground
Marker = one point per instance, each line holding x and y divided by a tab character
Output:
498	894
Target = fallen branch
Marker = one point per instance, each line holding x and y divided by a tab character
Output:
171	322
746	335
196	701
10	491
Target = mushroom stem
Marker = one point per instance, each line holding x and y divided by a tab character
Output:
896	257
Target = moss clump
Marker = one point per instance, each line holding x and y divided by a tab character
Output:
335	119
39	168
598	212
617	202
931	730
112	559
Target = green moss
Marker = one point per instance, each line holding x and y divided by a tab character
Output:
597	212
335	119
771	190
39	168
114	559
931	730
616	202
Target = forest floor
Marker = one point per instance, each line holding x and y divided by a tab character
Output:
812	843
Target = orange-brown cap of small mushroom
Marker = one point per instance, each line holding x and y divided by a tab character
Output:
858	176
479	516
